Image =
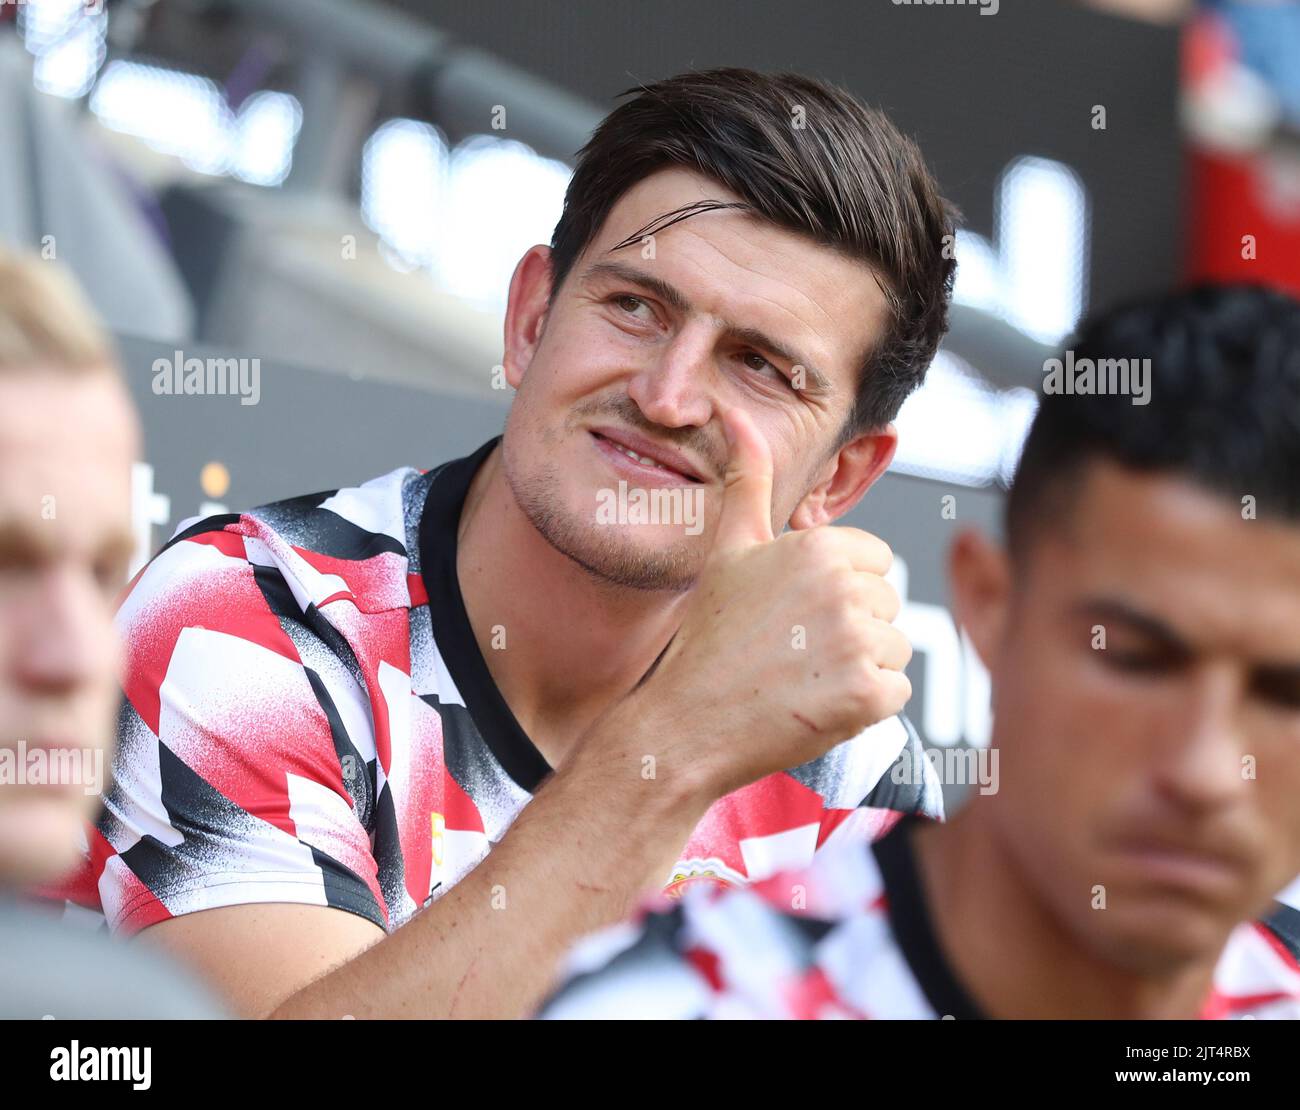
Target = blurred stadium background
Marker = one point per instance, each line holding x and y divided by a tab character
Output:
341	189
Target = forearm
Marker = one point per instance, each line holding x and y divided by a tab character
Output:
599	834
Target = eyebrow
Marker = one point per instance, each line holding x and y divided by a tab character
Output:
1267	675
677	300
1112	609
19	539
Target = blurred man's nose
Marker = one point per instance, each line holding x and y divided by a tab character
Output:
62	636
1204	756
674	388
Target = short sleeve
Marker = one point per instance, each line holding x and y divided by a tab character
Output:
240	775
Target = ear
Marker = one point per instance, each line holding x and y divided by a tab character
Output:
526	311
845	477
979	580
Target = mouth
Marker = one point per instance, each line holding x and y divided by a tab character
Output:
1172	865
643	459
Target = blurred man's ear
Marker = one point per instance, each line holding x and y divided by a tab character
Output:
979	578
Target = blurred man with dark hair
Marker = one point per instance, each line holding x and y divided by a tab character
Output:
1142	630
338	705
68	436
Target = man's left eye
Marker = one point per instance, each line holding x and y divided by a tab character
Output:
624	299
763	364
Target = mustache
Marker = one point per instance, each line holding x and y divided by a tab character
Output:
694	442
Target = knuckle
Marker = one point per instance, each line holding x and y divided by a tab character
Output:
877	551
819	543
888	600
843	584
904	650
866	707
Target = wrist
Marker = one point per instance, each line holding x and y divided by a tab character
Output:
641	759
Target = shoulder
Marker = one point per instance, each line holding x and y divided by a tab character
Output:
352	523
1283	926
754	952
1258	973
884	767
349	543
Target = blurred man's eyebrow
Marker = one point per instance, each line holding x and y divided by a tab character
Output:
24	538
818	382
1271	674
1107	609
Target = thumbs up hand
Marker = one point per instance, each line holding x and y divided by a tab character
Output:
786	647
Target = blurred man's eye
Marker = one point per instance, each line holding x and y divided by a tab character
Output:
110	574
16	563
1281	688
1143	661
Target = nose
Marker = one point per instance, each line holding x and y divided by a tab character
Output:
1203	766
63	634
674	388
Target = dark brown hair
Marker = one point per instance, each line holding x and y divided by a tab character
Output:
808	157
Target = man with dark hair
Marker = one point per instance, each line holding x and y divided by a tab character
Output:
336	706
1142	630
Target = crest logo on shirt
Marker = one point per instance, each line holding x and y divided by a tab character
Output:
701	872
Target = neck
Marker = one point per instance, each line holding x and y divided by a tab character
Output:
572	644
1014	955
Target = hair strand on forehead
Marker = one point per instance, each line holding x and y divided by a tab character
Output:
806	156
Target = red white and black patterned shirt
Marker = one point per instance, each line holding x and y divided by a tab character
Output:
849	936
308	718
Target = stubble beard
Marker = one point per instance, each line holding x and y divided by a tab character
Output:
604	551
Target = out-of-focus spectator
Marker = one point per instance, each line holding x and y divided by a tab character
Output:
68	436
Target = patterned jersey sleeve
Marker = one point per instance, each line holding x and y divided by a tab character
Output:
911	785
241	773
872	782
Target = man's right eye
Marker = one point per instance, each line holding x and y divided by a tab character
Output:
1137	660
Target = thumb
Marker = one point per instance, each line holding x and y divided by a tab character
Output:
746	516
